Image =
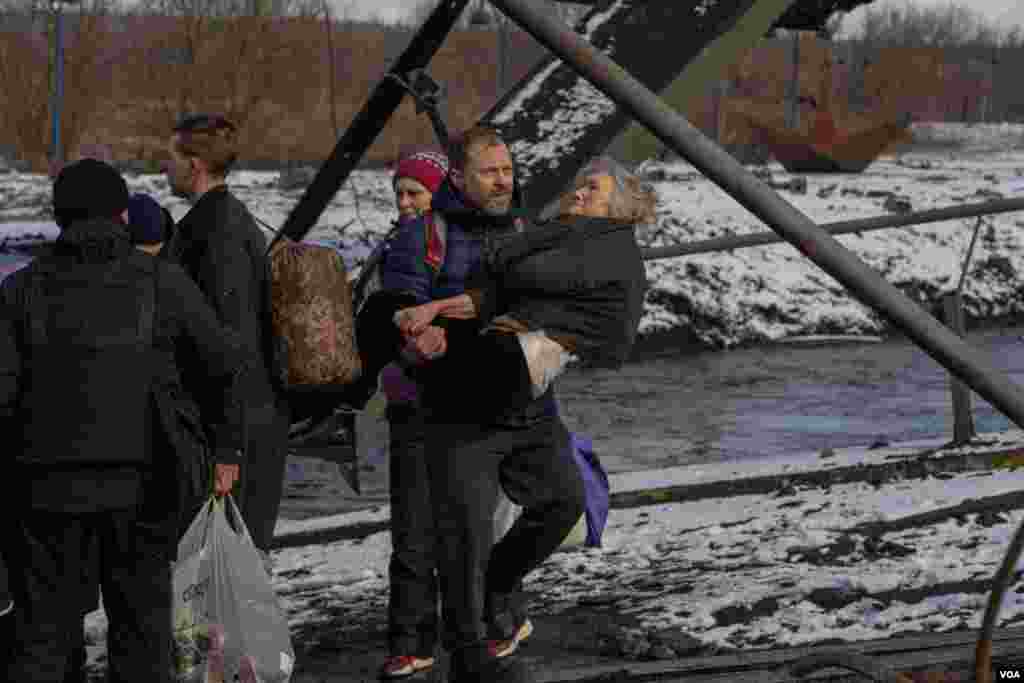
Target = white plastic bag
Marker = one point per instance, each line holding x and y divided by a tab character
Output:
228	625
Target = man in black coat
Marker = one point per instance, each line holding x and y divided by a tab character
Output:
92	336
220	246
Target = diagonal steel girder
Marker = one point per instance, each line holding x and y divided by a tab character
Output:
824	250
665	44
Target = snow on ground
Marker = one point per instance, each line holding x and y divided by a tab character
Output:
788	568
756	570
766	570
771	292
748	295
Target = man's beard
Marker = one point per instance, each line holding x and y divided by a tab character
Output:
498	205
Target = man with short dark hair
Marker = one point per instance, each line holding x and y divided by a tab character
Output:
220	246
91	342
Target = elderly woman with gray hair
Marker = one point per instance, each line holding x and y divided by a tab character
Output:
569	288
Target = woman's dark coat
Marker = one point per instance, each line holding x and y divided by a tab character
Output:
580	279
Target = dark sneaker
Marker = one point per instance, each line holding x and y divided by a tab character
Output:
506	646
403	666
6	606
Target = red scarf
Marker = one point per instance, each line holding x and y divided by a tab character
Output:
435	245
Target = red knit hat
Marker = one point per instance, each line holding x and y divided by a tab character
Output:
428	167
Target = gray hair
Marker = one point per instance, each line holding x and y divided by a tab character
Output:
633	200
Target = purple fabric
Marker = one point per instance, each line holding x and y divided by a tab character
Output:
397	386
596	491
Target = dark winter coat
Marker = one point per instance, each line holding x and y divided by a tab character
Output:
580	279
222	249
92	337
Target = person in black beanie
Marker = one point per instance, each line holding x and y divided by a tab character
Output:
96	424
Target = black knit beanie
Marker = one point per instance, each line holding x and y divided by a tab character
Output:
88	189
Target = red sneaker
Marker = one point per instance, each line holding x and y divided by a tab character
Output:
403	666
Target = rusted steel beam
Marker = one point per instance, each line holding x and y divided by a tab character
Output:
840	228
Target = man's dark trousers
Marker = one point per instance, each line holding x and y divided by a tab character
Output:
263	471
412	570
467	463
134	572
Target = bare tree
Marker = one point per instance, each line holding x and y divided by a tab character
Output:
1014	38
230	8
481	13
27	68
230	56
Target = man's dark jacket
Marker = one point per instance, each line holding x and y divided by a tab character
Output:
85	371
223	250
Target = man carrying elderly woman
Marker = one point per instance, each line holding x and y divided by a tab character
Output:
569	288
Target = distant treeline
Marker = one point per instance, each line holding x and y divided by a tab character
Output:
129	76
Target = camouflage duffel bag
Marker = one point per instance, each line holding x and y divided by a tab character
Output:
312	318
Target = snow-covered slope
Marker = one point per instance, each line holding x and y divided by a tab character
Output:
769	292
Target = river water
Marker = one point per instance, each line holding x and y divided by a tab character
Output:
767	401
679	409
